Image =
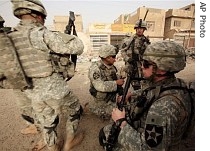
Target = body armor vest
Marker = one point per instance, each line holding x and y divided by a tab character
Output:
35	63
12	73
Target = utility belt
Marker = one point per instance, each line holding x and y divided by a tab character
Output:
63	65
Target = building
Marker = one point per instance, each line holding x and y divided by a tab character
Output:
124	24
173	24
180	25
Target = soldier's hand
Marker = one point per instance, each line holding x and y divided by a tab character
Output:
128	96
117	114
120	81
127	99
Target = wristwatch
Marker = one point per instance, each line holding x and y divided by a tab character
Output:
119	121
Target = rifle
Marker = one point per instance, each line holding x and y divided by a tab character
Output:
115	130
68	30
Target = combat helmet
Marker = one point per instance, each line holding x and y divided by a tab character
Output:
22	7
167	55
141	24
107	50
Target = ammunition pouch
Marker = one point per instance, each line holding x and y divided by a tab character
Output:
62	64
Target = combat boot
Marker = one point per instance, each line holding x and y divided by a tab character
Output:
73	141
30	129
39	146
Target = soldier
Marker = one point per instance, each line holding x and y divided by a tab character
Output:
43	58
132	49
164	106
5	29
1	30
104	82
1	22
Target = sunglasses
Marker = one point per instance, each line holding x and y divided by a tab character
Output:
146	64
113	56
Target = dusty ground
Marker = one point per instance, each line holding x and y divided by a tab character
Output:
12	140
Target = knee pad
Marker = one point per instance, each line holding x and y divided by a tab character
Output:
28	118
77	114
54	125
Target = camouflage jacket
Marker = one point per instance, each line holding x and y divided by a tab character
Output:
102	79
162	125
35	45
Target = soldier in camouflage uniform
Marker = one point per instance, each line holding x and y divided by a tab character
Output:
164	106
104	82
1	27
5	29
1	22
44	59
132	49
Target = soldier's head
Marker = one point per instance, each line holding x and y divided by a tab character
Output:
33	8
1	22
108	53
162	59
140	27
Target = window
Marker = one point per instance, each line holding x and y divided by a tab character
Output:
97	41
177	23
150	26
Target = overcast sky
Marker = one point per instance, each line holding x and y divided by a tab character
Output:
91	11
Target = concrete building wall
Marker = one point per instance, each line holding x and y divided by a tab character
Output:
180	25
155	19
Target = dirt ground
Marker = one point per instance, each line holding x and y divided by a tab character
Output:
11	123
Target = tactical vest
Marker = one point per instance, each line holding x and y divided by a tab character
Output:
36	63
105	76
143	106
12	73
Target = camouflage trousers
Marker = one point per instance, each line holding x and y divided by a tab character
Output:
101	108
25	106
55	109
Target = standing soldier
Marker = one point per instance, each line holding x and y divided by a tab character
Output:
41	66
133	48
1	22
1	30
104	82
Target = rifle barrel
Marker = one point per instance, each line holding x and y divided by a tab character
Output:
145	14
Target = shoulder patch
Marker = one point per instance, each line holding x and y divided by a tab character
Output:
96	75
153	135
